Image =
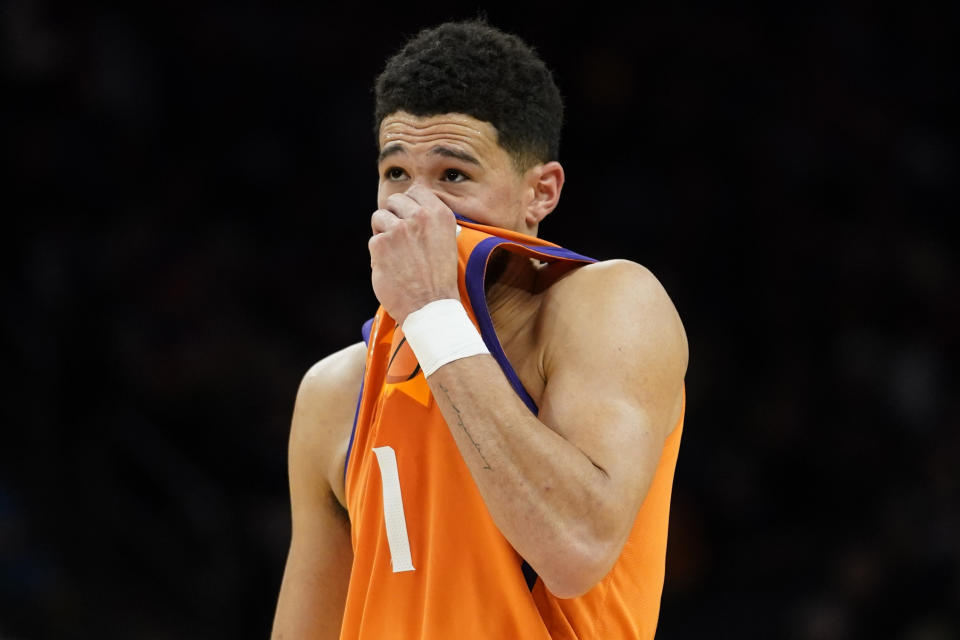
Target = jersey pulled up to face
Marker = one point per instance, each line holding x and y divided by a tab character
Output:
429	561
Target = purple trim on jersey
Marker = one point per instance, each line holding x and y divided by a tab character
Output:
353	431
556	252
475	276
365	332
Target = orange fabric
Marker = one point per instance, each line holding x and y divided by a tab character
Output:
467	581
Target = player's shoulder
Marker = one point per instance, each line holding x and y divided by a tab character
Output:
340	372
603	300
327	395
612	283
323	417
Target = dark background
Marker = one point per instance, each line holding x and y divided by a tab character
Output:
186	209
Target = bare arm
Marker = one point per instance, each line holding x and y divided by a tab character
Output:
564	487
317	572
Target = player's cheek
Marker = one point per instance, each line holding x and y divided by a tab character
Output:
385	189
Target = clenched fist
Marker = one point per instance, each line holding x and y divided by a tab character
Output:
413	252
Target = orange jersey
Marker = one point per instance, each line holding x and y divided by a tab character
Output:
428	561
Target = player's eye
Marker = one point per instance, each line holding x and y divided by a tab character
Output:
454	175
394	173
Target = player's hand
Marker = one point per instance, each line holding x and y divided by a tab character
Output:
413	252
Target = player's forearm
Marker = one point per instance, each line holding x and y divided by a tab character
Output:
546	496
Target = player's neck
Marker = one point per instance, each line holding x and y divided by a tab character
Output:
510	289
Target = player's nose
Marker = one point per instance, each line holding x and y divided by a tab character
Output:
423	192
421	184
422	187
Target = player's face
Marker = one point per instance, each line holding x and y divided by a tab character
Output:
459	159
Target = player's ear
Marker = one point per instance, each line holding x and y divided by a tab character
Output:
544	181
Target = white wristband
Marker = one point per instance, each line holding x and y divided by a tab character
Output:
440	332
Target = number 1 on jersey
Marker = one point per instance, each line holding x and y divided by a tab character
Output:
393	517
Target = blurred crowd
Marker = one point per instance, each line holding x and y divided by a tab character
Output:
187	208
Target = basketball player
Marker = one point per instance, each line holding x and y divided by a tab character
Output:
506	471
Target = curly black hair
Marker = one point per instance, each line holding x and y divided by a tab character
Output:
475	69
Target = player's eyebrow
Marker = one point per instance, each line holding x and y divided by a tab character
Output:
447	152
390	150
